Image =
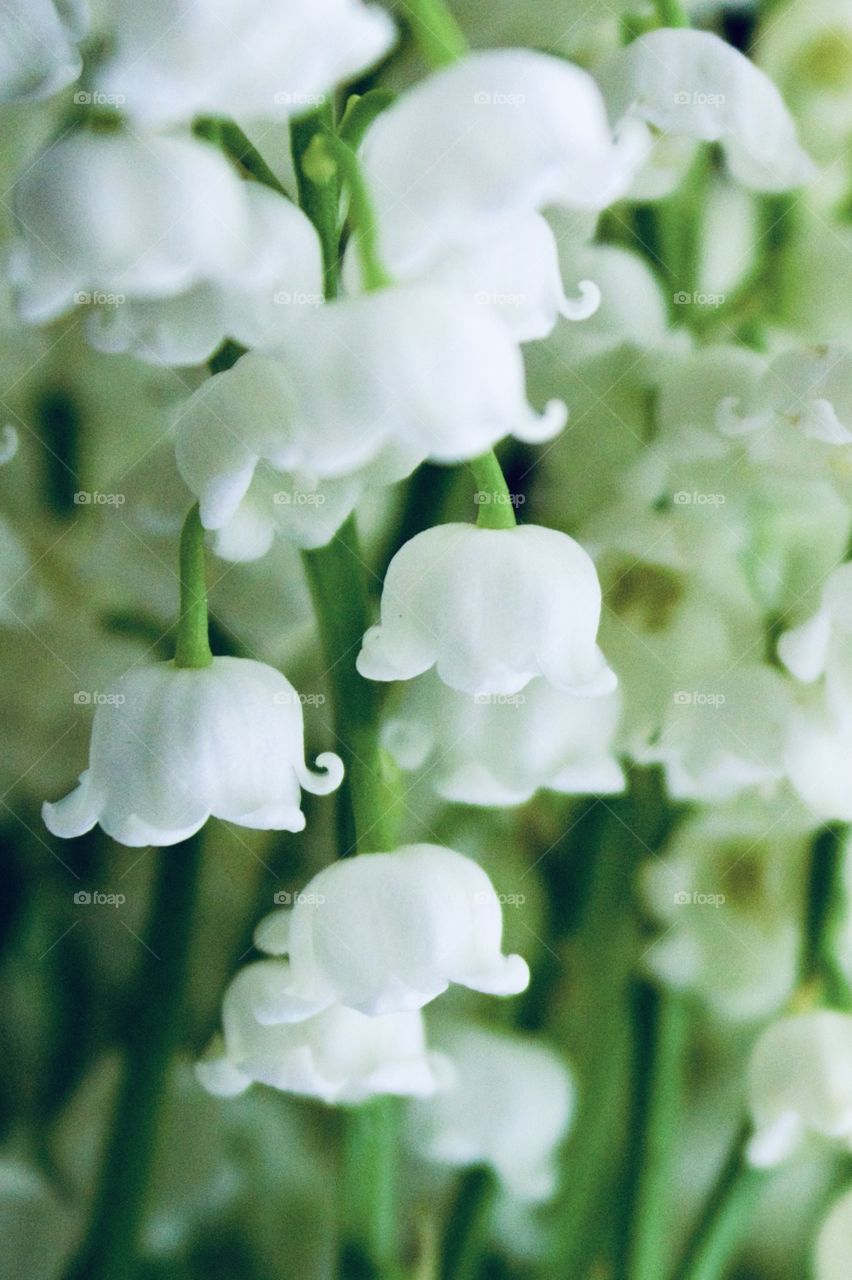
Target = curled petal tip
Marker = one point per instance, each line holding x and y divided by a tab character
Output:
321	784
585	306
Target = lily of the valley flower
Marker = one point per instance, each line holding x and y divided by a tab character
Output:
358	392
172	746
692	83
508	1104
729	893
833	1252
499	749
161	241
171	60
388	932
514	272
821	645
499	134
338	1055
490	609
800	1084
39	47
797	417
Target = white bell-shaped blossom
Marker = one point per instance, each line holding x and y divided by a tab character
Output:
500	133
692	83
800	1085
279	275
166	247
797	417
245	448
39	52
725	736
388	932
833	1250
728	890
818	754
822	645
499	749
338	1055
377	382
171	60
514	272
172	746
490	609
509	1106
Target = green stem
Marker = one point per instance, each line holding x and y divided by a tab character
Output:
367	802
717	1233
371	1156
111	1249
671	13
467	1232
362	215
827	907
495	509
661	1023
193	645
438	36
319	192
361	111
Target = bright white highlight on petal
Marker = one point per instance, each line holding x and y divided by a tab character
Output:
173	746
490	609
